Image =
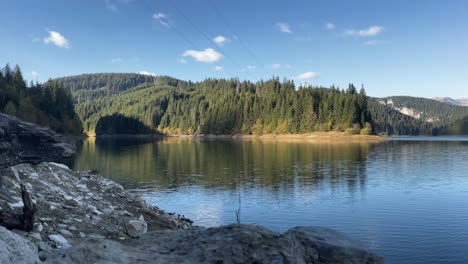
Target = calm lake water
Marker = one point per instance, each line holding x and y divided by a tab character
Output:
406	199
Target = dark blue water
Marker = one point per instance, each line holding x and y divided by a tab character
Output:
406	199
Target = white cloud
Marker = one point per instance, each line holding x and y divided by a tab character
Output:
284	27
330	26
308	75
182	61
220	40
147	73
370	42
34	74
208	55
161	18
370	32
57	39
276	66
117	60
218	68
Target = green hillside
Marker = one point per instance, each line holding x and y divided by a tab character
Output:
214	106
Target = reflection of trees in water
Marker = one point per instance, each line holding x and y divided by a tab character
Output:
174	162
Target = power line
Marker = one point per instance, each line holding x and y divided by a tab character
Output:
166	22
204	34
226	23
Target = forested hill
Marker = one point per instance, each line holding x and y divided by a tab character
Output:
214	106
89	86
48	104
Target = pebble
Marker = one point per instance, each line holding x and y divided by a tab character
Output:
36	236
43	246
66	233
60	241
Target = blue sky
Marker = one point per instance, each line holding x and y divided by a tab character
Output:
393	47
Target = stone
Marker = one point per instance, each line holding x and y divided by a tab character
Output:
226	244
43	246
66	233
36	236
60	241
16	249
136	228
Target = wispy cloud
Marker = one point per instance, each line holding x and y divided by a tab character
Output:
330	26
218	68
369	32
370	42
147	73
35	74
276	66
308	75
57	39
182	61
284	27
161	18
117	60
208	55
221	40
111	6
248	68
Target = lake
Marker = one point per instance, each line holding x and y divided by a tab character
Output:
406	199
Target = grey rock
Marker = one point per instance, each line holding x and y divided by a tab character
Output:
136	228
43	246
27	142
16	249
36	236
60	241
227	244
66	233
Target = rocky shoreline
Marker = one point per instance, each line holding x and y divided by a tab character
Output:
56	215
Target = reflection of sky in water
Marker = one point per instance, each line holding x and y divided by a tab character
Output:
406	200
204	209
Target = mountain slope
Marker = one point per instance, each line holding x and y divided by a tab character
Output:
448	100
213	106
424	109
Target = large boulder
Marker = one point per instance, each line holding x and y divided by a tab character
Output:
136	228
16	249
226	244
27	142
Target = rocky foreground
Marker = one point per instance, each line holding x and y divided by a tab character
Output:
82	217
55	215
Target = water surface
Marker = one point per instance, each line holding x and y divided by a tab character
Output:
406	199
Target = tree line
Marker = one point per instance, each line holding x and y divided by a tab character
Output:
226	106
48	104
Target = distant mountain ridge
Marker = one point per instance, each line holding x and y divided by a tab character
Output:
449	100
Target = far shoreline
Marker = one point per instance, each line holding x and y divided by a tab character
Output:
332	136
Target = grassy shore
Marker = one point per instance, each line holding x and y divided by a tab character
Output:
332	136
312	137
